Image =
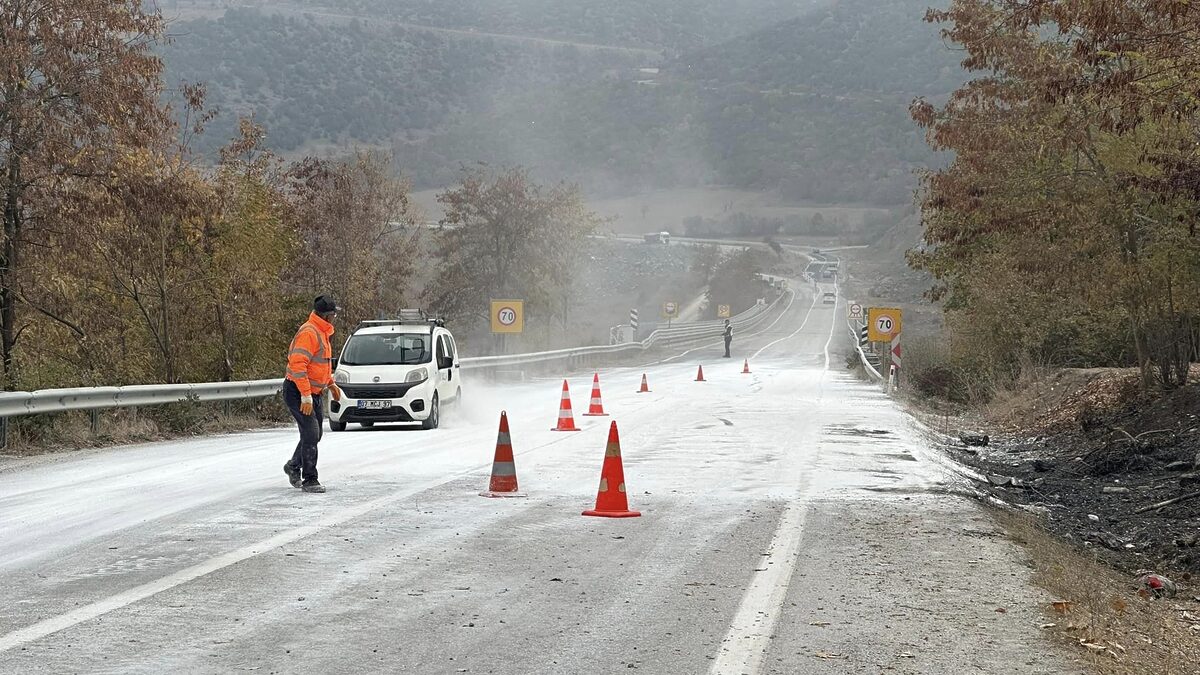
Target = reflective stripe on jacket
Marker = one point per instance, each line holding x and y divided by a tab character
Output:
310	357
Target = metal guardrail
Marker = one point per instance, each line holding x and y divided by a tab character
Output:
863	355
15	404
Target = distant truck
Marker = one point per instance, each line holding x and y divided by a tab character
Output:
658	238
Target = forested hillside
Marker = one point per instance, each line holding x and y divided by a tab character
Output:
814	106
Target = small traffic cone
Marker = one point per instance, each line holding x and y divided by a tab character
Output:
566	421
746	367
611	500
504	469
596	407
645	386
700	375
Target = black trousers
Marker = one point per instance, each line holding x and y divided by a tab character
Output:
728	341
311	428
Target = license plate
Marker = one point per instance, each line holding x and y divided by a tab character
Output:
374	405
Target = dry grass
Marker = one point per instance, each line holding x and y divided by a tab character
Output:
1102	617
41	434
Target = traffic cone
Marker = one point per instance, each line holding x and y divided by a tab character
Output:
645	386
746	367
566	421
504	469
596	407
611	500
700	375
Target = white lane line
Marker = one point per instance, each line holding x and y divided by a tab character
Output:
783	313
745	645
794	333
103	606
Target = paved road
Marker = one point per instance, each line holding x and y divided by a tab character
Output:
793	523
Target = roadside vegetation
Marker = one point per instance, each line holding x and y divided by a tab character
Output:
127	257
1063	244
1064	233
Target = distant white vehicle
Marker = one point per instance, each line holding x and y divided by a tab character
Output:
402	370
658	238
829	299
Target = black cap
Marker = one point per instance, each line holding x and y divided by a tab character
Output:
324	305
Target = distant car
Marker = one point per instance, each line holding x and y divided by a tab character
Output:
657	238
403	370
829	299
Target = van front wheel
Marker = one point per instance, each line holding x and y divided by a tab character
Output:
435	414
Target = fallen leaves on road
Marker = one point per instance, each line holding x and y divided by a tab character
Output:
1062	606
829	655
818	623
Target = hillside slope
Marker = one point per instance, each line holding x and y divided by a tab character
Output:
813	108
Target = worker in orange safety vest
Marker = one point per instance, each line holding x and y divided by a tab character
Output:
309	374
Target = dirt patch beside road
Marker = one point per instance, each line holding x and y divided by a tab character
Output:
1082	448
1107	480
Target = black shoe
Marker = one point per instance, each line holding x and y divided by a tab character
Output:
313	487
293	474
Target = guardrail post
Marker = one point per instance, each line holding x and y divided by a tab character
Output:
4	433
228	408
95	415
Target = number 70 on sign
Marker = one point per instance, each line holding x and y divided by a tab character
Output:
883	323
508	316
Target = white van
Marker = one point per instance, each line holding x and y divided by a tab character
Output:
404	370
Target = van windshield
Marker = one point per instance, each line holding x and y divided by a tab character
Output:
387	349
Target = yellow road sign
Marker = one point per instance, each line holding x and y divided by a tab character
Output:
723	311
508	316
883	323
670	310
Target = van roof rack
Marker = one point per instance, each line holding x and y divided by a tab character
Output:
405	317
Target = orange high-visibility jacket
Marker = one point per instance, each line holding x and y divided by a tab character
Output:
310	357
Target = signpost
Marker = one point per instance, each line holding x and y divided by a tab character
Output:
633	322
856	311
883	323
508	316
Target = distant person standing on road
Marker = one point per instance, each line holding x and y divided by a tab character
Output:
309	374
728	337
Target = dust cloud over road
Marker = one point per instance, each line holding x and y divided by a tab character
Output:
793	522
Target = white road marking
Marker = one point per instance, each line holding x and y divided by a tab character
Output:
101	607
816	296
745	644
783	313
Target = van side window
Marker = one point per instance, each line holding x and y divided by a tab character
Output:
441	351
451	349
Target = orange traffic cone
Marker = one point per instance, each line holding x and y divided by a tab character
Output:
700	375
746	367
504	469
566	421
596	407
611	500
645	386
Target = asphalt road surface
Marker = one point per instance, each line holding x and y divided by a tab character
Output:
793	522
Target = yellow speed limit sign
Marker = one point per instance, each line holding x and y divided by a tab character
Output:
883	324
723	311
508	316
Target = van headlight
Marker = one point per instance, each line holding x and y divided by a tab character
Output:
418	375
341	377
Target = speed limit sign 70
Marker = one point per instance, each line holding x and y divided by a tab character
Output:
508	316
883	323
